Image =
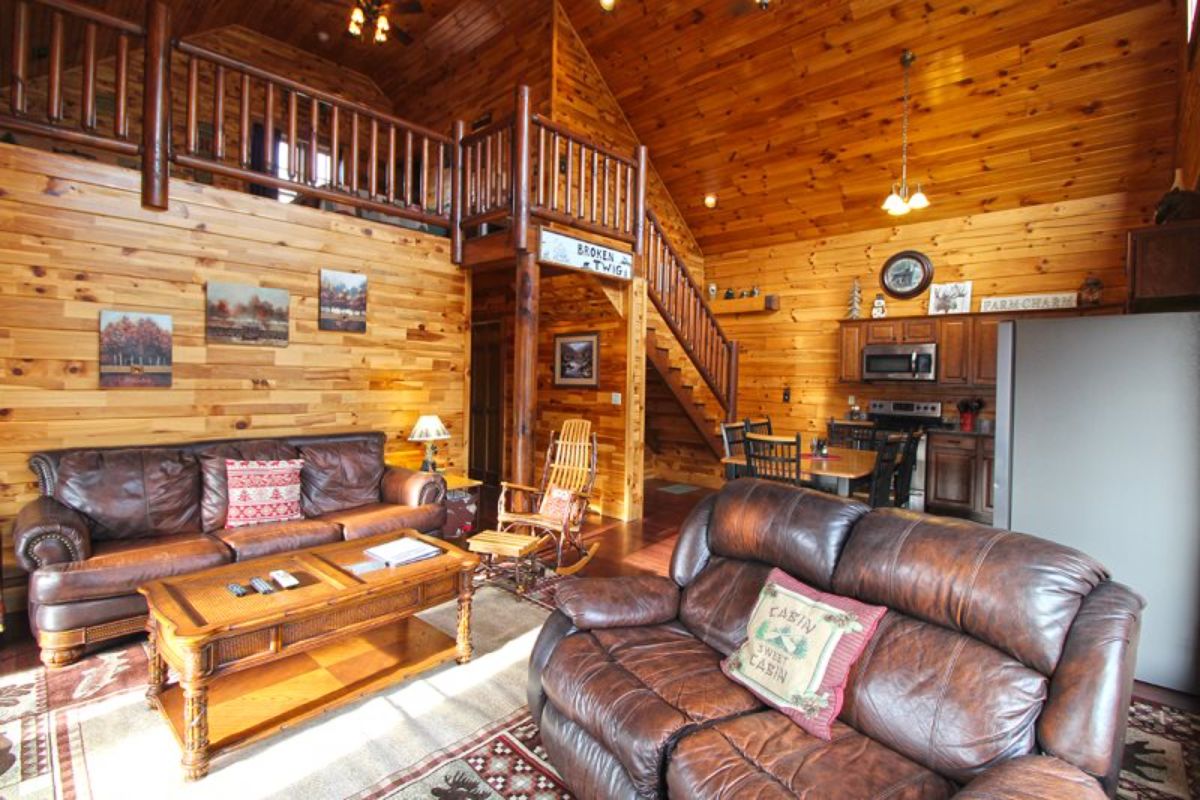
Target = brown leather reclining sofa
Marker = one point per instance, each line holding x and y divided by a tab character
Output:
111	519
1002	669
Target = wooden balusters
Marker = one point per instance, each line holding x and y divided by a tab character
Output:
314	142
408	168
373	160
193	93
335	148
218	117
121	78
54	109
456	194
88	108
423	184
354	152
391	165
20	56
244	130
269	129
293	136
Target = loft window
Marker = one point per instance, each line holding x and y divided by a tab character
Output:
324	167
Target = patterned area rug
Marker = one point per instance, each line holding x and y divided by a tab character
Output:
455	733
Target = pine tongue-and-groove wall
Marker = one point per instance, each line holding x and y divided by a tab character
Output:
75	240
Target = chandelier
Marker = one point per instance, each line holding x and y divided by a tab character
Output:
899	203
367	15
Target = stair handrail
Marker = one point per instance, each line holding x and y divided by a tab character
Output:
681	303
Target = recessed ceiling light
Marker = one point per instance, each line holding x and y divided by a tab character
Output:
322	37
710	201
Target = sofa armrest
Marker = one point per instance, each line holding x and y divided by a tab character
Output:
1033	778
618	602
406	487
556	628
47	532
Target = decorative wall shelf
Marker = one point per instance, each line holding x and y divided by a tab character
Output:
763	304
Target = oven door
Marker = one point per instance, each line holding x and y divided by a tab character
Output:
899	362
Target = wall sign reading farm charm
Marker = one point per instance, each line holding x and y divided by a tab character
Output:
567	251
1030	302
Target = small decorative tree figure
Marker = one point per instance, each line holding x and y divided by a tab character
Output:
855	309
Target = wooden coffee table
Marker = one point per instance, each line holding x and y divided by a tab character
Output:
253	665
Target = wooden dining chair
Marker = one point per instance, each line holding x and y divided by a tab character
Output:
775	458
761	426
878	489
732	434
908	466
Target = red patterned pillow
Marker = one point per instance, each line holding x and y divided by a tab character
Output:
557	503
800	646
263	491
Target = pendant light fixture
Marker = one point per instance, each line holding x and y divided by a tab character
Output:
899	203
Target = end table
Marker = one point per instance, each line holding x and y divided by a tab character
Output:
462	506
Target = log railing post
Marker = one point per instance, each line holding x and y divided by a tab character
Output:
456	193
525	337
639	210
156	107
521	169
731	384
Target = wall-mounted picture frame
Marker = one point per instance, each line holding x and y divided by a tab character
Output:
236	313
135	350
950	298
577	359
343	303
906	274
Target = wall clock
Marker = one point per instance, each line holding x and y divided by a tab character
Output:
906	274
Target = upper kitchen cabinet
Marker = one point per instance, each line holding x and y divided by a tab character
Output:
1164	267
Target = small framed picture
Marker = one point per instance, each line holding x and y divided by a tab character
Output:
906	274
343	302
950	298
576	358
135	350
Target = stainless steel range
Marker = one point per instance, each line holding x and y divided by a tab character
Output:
908	416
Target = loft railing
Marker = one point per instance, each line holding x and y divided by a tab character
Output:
682	305
48	117
332	149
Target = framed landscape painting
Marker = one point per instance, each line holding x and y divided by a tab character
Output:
343	305
575	359
135	350
239	314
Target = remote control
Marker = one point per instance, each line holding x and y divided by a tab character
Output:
284	578
237	590
261	586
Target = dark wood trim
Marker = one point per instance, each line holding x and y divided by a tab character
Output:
575	222
69	135
92	14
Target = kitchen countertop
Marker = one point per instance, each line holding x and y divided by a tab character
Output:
956	432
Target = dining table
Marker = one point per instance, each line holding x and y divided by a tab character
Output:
838	467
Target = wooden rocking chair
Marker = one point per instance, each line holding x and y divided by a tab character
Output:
558	506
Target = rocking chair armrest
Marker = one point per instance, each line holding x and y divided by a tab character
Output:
520	487
630	601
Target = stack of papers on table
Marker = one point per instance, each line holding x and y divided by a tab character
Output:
402	551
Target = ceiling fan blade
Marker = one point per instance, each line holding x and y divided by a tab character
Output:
402	36
408	7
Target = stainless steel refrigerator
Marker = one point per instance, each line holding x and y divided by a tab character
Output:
1098	447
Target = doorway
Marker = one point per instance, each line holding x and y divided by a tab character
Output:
486	457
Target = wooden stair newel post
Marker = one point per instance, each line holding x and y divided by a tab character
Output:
528	289
156	107
635	394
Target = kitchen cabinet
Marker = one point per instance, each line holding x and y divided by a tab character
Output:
954	350
959	474
850	370
918	331
985	335
883	332
1163	267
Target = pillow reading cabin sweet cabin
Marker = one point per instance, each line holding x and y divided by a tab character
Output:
800	646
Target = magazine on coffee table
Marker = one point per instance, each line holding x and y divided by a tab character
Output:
402	551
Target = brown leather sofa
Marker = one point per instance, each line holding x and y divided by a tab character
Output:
1002	669
111	519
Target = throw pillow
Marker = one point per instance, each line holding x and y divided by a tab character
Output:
556	503
263	491
800	646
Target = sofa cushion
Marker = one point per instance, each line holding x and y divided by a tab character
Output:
132	493
341	474
85	613
765	755
799	648
1018	593
635	689
263	491
255	541
377	518
716	606
119	567
214	498
947	701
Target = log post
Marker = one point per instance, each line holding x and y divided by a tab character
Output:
639	200
156	107
525	338
731	387
633	500
456	194
521	168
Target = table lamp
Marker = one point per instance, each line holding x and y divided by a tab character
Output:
429	429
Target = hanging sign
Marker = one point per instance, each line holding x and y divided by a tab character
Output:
1030	302
567	251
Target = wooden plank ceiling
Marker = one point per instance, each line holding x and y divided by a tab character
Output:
792	115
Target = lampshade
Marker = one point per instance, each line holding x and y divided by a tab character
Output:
894	204
918	200
428	429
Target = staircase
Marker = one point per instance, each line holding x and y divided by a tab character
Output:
684	342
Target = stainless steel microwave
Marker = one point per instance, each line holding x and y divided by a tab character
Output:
899	362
